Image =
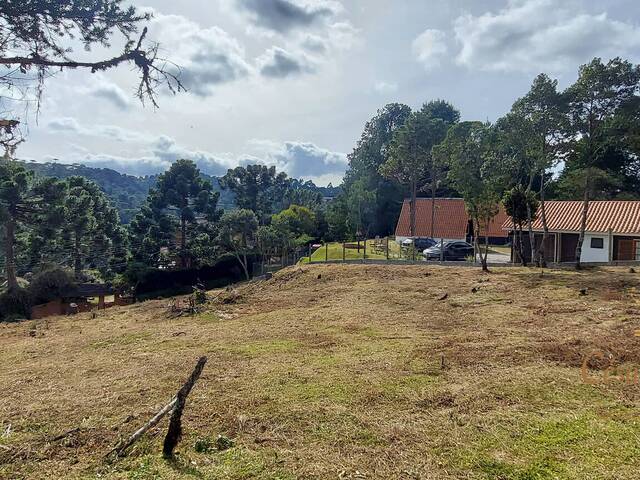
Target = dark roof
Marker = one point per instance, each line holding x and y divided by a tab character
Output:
90	290
451	219
619	216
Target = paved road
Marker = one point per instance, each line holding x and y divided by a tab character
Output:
498	258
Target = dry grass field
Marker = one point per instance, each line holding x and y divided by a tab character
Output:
341	372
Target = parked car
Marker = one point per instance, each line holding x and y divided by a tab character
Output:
420	243
454	250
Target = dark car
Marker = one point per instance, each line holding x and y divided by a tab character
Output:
420	243
455	250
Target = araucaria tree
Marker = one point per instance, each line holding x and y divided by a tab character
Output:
25	203
92	228
37	36
182	192
468	148
598	103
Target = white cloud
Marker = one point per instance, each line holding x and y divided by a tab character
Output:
151	154
534	35
385	87
111	92
429	47
207	57
299	159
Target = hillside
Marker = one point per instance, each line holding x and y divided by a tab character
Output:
127	192
340	372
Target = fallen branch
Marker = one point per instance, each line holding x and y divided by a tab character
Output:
65	434
120	449
175	424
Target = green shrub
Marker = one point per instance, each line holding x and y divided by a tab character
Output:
15	305
50	284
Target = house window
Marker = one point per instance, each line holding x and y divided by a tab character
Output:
597	242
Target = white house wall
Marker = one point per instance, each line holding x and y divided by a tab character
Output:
595	254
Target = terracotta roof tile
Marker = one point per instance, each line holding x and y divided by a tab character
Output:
620	216
451	219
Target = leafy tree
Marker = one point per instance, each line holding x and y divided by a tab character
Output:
602	94
92	228
37	36
519	202
237	235
468	148
534	130
361	209
257	188
182	192
364	164
297	222
442	110
25	202
410	157
271	241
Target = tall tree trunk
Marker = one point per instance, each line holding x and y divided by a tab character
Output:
532	238
9	254
523	258
77	257
434	187
583	221
242	260
412	209
183	242
542	254
476	244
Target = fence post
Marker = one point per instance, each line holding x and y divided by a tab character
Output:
387	239
364	254
326	252
344	257
309	253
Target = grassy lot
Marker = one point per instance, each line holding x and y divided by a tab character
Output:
340	372
334	252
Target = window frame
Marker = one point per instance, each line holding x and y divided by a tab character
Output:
601	241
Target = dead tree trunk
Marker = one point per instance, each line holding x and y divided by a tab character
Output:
173	435
9	257
175	424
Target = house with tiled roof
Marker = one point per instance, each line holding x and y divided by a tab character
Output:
612	231
451	222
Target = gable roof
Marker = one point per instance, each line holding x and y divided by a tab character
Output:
451	219
619	216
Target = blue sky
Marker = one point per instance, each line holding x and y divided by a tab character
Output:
291	83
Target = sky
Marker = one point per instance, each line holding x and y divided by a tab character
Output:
291	83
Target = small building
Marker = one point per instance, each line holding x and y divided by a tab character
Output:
79	300
451	222
612	231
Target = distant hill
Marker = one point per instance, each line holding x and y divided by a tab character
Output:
128	192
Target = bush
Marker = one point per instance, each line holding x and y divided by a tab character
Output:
15	305
50	285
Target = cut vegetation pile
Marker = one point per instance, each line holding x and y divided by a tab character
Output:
339	372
